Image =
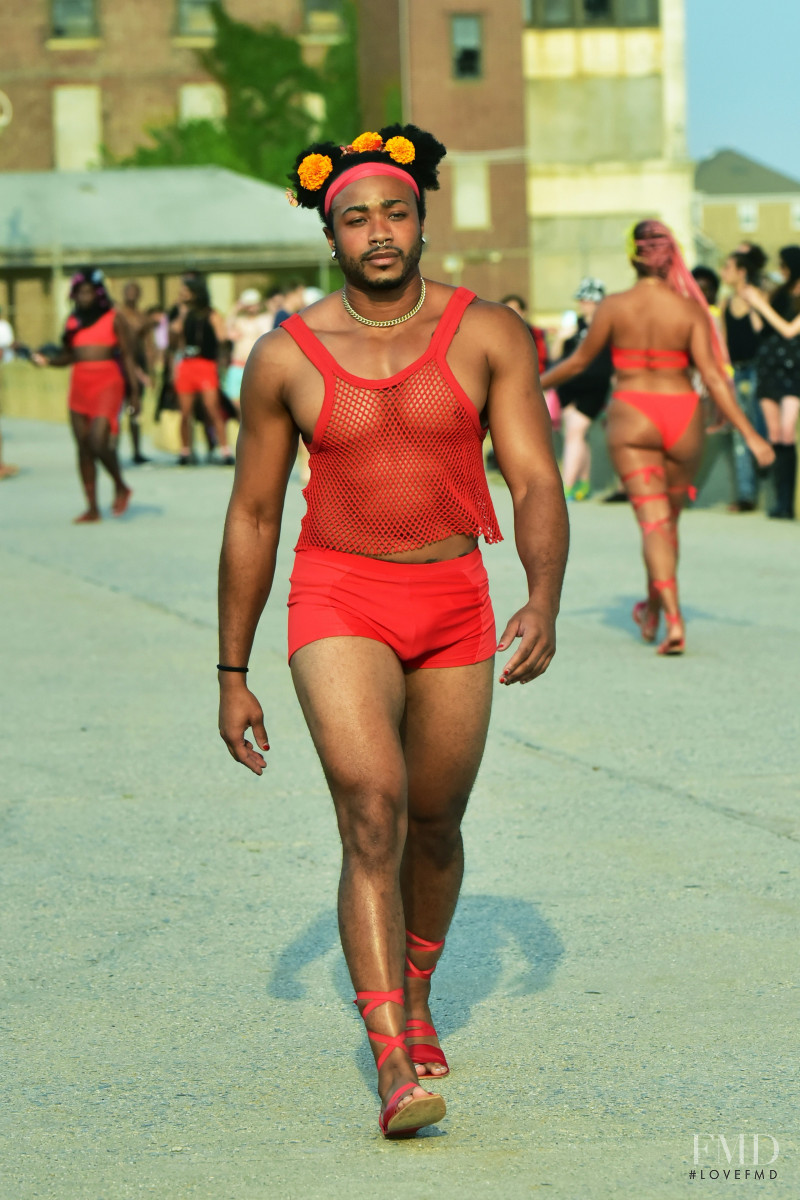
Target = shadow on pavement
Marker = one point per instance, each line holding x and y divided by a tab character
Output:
617	615
497	945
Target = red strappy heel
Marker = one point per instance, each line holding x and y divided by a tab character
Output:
423	1052
646	619
420	1111
671	645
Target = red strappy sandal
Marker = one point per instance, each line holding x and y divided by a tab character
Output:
646	619
423	1052
420	1111
671	645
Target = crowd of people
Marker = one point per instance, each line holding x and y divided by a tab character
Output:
758	326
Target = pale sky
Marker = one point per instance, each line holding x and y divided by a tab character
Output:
743	69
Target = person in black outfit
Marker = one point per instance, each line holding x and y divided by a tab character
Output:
584	397
779	375
742	327
197	332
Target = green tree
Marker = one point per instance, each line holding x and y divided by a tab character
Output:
340	83
266	85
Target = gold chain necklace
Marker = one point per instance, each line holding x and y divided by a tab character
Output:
384	324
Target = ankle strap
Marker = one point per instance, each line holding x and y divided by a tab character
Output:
415	942
422	946
388	1041
376	999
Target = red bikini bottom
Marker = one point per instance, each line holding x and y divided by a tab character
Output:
670	412
430	614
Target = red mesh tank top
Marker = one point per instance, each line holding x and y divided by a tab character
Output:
395	463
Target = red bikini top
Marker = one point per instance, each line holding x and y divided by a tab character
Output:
649	360
396	463
101	333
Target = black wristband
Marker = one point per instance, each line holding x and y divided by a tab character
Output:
237	670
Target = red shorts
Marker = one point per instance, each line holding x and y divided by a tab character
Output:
196	375
97	389
430	614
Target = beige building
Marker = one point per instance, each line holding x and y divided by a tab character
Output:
738	199
605	99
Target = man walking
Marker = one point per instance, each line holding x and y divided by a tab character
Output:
392	383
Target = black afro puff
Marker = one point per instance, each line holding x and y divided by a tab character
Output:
424	170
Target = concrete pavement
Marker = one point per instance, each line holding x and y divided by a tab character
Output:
622	970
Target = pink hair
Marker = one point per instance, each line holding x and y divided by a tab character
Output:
656	248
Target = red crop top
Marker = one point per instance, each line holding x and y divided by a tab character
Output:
101	333
649	360
395	463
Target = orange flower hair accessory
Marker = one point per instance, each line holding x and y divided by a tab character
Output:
400	149
366	141
314	170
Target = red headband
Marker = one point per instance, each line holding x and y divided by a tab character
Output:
363	171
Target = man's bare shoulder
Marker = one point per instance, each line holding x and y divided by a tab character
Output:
323	315
495	325
273	351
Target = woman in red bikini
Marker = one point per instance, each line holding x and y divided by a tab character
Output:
96	344
658	329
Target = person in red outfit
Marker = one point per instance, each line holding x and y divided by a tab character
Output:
656	330
97	345
392	383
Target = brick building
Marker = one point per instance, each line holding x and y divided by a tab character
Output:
86	74
458	73
81	76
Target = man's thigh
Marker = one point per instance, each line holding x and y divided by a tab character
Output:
444	734
352	693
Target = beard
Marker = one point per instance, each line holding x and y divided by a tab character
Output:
407	264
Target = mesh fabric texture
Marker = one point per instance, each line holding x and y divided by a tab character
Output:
395	464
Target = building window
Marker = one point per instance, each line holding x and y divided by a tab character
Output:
466	41
747	212
561	14
471	196
195	19
638	12
77	127
324	6
201	102
598	12
324	16
74	19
